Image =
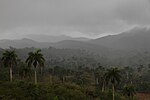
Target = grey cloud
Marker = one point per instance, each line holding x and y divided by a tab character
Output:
134	12
91	17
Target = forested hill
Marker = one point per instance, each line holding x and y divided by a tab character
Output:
137	39
68	58
127	49
71	58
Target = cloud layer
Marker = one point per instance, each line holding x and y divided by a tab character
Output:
72	17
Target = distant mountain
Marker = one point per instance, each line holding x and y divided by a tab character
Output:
71	44
135	39
21	43
52	39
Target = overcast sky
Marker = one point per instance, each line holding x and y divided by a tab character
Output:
89	18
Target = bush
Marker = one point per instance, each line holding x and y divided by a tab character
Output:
28	91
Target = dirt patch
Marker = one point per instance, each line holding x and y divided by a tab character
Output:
143	96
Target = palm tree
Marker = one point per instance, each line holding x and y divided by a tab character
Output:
35	59
113	76
9	59
129	90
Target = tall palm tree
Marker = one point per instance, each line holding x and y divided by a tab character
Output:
35	59
9	59
129	90
113	76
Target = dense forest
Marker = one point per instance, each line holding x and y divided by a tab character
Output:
71	74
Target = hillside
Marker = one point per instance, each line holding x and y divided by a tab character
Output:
135	39
22	43
71	44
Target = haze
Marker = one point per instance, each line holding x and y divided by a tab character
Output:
75	18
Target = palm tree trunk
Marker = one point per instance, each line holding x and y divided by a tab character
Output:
35	76
96	81
103	87
131	82
41	71
127	76
62	79
113	90
10	71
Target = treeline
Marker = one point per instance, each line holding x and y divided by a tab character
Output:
68	58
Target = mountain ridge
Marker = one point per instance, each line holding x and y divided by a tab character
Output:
53	39
135	39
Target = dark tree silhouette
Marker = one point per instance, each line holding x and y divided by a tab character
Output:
9	59
35	59
113	76
129	90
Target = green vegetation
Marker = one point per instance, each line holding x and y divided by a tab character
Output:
129	90
88	80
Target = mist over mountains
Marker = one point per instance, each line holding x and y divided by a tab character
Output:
136	39
52	39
